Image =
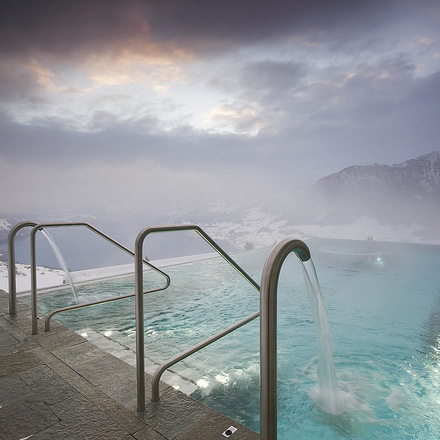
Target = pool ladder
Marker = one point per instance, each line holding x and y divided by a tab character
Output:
11	270
267	313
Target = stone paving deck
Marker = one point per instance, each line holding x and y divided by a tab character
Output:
58	385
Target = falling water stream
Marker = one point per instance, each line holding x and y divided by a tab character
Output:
327	396
61	262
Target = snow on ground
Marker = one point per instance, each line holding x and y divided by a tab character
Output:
47	277
270	231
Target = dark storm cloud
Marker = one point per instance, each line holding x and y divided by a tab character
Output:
63	27
249	20
59	27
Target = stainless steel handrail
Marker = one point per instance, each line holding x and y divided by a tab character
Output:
155	381
11	264
94	303
140	349
40	226
268	332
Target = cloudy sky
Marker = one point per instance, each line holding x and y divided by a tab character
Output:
128	106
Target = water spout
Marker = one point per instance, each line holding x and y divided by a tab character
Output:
327	397
61	262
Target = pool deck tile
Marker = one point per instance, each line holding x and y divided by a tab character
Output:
59	385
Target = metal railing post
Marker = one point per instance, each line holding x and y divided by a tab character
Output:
34	281
268	332
139	304
40	226
11	265
140	339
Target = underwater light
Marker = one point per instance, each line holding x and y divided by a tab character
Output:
379	261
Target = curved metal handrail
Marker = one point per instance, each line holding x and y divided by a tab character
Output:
11	264
40	226
268	332
155	381
140	349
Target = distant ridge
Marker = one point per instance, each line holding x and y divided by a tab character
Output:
420	175
402	193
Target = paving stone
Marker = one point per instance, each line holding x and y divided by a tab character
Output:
29	342
45	355
78	354
71	406
212	427
147	433
48	385
22	308
17	362
63	370
174	413
13	389
122	388
89	391
92	424
13	330
6	338
23	318
9	344
10	349
4	302
63	338
120	415
24	418
102	368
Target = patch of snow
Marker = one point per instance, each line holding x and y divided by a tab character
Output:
46	277
4	224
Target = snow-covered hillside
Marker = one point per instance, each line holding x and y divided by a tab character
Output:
46	277
400	202
406	193
260	228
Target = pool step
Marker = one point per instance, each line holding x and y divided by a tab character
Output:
178	381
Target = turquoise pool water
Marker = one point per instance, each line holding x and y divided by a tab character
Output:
383	305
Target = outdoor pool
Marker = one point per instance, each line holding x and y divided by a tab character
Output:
383	306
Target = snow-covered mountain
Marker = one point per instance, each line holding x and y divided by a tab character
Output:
405	193
6	223
415	179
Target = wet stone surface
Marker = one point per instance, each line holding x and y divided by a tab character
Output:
57	385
